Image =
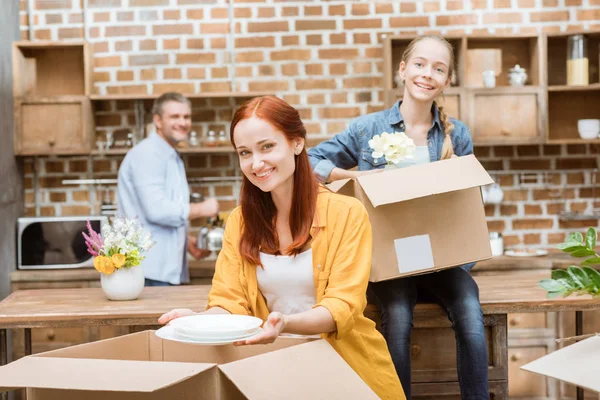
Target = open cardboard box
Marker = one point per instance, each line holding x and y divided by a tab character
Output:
144	366
576	364
425	217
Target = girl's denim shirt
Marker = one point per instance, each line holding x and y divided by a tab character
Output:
351	147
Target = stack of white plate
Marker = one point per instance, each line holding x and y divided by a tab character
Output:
211	328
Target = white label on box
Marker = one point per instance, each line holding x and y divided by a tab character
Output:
414	253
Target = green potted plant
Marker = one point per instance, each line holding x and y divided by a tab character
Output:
580	280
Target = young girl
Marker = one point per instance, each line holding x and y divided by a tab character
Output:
425	71
295	254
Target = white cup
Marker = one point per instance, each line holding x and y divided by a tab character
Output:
489	79
588	128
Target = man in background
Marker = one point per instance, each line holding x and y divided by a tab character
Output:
153	187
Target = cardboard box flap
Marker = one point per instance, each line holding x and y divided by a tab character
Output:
576	364
423	180
312	370
94	374
335	186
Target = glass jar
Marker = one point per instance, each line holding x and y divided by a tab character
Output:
578	63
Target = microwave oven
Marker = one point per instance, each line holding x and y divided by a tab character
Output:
55	242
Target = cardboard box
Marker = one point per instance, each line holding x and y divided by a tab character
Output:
425	217
576	364
143	366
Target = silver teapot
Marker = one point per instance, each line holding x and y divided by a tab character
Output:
210	236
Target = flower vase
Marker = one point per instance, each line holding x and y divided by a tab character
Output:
123	283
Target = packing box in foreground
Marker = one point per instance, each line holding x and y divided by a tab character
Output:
425	217
576	364
143	366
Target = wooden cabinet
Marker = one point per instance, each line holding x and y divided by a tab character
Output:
51	85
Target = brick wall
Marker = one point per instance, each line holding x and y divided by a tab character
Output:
324	57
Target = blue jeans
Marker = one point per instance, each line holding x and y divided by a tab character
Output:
456	291
152	282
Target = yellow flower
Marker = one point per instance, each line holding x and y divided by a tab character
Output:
104	264
119	260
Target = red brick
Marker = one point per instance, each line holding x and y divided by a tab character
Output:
173	87
296	54
172	73
52	4
78	166
530	164
344	54
386	8
196	58
266	12
504	151
175	29
70	33
310	84
339	112
576	163
54	167
313	11
502	4
58	197
533	209
578	207
431	6
148	3
314	25
338	69
196	73
576	178
360	9
314	40
502	18
268	41
313	69
147	44
589	192
315	99
112	61
337	38
104	3
576	224
290	40
458	19
271	26
550	3
588	15
207	28
289	69
337	10
496	225
195	14
553	194
362	24
124	75
508	209
128	16
249	56
129	30
556	238
532	238
526	3
195	44
515	195
354	83
453	5
532	223
406	22
548	16
290	12
215	87
268	86
149	59
528	150
124	45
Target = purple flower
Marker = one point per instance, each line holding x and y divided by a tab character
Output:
94	241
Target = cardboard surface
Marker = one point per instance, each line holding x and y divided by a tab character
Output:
577	364
425	218
143	366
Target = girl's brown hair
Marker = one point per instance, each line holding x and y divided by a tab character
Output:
258	210
448	126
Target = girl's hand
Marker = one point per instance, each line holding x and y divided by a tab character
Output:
176	313
271	329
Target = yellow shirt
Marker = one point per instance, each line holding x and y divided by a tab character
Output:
342	248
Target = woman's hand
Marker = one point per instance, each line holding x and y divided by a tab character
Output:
271	329
176	313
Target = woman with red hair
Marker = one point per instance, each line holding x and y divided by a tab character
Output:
295	254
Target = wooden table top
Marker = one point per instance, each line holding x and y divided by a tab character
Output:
74	307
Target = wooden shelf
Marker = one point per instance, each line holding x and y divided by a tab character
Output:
573	141
207	95
565	88
527	89
195	150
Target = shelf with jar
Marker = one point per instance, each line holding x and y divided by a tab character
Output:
573	87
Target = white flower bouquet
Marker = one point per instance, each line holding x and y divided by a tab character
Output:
120	245
393	147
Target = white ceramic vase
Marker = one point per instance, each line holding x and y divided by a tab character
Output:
123	284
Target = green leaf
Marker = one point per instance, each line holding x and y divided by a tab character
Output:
584	252
579	276
593	275
570	246
568	283
552	295
551	285
575	237
560	274
591	261
590	238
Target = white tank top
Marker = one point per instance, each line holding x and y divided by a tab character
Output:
287	282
